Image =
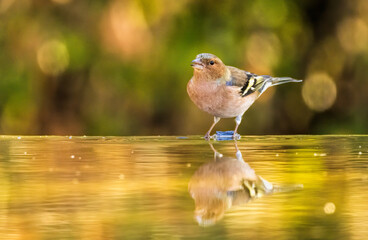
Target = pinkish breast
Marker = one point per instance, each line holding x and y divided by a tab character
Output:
219	100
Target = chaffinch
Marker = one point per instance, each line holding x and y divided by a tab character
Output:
225	91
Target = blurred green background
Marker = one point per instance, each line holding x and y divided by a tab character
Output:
121	67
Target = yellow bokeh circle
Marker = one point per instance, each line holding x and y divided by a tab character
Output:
53	57
319	91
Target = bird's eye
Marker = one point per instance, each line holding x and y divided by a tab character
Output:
212	62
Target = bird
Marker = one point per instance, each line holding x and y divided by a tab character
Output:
225	91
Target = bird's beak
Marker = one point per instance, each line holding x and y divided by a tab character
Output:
197	63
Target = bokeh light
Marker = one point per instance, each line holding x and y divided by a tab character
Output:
319	91
263	51
125	30
329	208
329	58
53	57
353	35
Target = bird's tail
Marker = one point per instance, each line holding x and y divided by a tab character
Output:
281	80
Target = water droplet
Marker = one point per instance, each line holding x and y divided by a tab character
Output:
189	165
19	137
72	156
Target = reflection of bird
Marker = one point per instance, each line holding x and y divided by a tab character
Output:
225	91
222	183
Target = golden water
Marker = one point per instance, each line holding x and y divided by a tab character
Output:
183	188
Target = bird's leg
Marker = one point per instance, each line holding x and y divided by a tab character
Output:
217	154
215	120
239	155
238	120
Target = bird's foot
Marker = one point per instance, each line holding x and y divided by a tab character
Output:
236	136
207	136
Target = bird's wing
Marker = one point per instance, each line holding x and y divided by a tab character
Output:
247	82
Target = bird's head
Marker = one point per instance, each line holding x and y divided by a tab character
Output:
209	67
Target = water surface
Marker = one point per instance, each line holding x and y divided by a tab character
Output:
260	187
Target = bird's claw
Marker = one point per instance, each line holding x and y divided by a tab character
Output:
207	136
236	136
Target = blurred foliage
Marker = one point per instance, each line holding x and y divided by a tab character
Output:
121	67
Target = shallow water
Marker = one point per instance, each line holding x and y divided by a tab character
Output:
261	187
